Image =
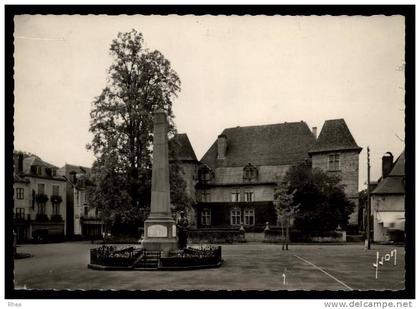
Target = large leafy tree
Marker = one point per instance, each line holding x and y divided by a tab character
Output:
139	82
323	204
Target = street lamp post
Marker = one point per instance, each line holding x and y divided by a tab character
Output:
368	240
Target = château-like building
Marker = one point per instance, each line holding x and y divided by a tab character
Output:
236	178
336	152
187	160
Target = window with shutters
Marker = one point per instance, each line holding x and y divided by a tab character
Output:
249	196
236	196
19	193
55	190
41	188
20	213
334	162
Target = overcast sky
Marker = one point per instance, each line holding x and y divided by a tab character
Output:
235	71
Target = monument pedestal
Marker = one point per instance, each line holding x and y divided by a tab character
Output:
160	234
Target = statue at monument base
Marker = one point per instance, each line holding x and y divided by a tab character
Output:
182	227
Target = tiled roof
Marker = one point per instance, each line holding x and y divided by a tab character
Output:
34	160
394	182
390	185
399	166
183	148
67	168
276	144
335	135
17	178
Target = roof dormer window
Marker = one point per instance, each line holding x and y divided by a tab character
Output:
205	174
250	172
36	170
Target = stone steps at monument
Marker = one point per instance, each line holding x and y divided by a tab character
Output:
151	255
147	265
150	265
149	260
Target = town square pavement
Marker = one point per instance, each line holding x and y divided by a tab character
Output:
250	266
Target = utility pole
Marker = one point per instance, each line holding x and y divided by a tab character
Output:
368	202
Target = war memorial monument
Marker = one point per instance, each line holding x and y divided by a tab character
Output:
160	247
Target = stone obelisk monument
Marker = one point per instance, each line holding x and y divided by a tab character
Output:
160	228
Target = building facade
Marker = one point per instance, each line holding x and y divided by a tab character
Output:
239	173
184	155
83	220
87	220
22	198
336	152
237	176
39	200
388	201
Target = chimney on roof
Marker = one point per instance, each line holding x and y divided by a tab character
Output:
387	161
73	177
221	146
314	131
20	163
15	163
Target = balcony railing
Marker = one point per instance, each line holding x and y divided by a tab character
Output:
41	217
56	218
90	217
56	199
41	198
20	217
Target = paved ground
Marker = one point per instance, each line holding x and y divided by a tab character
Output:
252	266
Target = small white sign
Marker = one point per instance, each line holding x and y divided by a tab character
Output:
157	230
173	230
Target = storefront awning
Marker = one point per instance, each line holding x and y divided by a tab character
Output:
391	219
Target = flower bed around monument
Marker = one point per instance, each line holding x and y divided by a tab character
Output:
193	257
112	256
